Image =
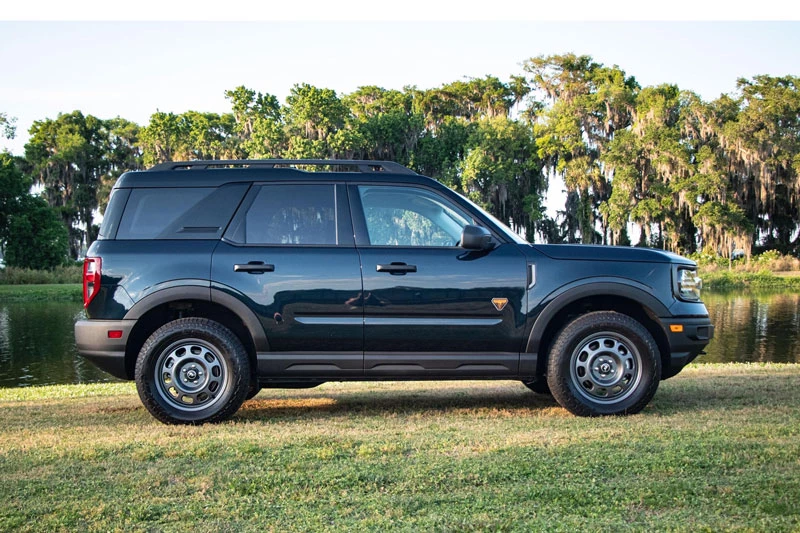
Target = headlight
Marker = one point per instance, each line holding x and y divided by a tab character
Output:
689	284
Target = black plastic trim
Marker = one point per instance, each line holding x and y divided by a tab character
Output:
587	288
363	166
91	339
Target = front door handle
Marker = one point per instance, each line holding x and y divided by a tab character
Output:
396	268
254	267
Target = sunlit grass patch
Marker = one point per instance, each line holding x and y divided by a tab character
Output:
717	449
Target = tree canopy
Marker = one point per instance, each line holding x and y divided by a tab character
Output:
681	172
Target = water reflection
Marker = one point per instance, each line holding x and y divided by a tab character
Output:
37	346
754	327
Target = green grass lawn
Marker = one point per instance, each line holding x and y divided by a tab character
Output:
69	292
725	279
717	449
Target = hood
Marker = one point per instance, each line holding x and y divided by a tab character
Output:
587	252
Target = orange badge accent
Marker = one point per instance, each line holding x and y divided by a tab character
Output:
499	303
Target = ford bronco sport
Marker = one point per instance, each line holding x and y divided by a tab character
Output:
213	279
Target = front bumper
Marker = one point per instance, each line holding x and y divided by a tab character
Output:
687	344
91	337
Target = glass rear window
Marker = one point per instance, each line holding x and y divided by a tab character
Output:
180	213
113	212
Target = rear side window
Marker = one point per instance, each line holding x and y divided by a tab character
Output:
180	213
116	203
289	214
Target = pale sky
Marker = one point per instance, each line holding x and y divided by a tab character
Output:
131	69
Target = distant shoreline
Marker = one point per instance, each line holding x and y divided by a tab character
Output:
66	292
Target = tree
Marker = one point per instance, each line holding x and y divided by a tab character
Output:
589	104
67	158
7	127
763	143
36	236
259	123
386	123
501	172
13	186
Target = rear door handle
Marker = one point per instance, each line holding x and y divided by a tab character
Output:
254	267
396	268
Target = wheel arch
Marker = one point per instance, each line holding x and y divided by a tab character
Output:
166	305
591	296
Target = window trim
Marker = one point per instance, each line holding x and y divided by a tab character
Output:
341	216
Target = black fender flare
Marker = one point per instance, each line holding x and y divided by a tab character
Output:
204	294
573	292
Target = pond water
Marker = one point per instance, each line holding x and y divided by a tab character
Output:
37	345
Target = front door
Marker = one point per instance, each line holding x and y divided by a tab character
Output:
289	255
432	308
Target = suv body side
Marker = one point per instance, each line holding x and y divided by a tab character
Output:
338	301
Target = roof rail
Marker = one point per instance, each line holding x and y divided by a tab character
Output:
362	165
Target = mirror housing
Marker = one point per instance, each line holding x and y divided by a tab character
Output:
476	238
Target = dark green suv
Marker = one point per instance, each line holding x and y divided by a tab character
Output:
213	279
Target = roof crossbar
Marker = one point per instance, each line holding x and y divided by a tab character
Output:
364	166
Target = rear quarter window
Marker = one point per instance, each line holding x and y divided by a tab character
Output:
179	213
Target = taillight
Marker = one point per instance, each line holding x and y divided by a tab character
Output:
91	278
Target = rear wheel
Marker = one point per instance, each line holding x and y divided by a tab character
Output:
604	363
192	371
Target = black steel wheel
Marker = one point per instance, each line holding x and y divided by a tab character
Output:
192	371
604	363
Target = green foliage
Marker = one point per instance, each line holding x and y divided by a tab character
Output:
8	129
63	274
36	236
73	158
688	173
13	185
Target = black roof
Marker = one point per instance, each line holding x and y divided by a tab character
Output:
218	172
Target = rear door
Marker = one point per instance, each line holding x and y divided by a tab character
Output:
289	255
432	308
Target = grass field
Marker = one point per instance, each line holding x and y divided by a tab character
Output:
71	292
725	279
717	449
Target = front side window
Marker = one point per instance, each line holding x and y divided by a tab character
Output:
290	214
410	216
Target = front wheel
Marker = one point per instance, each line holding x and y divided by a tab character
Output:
192	371
604	363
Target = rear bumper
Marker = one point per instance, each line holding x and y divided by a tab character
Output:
687	344
91	337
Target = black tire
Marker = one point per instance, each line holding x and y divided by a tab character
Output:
203	372
539	386
604	363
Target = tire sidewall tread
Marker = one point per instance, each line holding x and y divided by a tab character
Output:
230	349
568	339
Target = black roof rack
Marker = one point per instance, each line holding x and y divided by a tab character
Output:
361	165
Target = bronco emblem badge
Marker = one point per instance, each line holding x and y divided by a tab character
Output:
499	303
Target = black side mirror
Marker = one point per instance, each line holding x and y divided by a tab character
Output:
476	238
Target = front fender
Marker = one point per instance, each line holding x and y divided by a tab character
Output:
606	286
